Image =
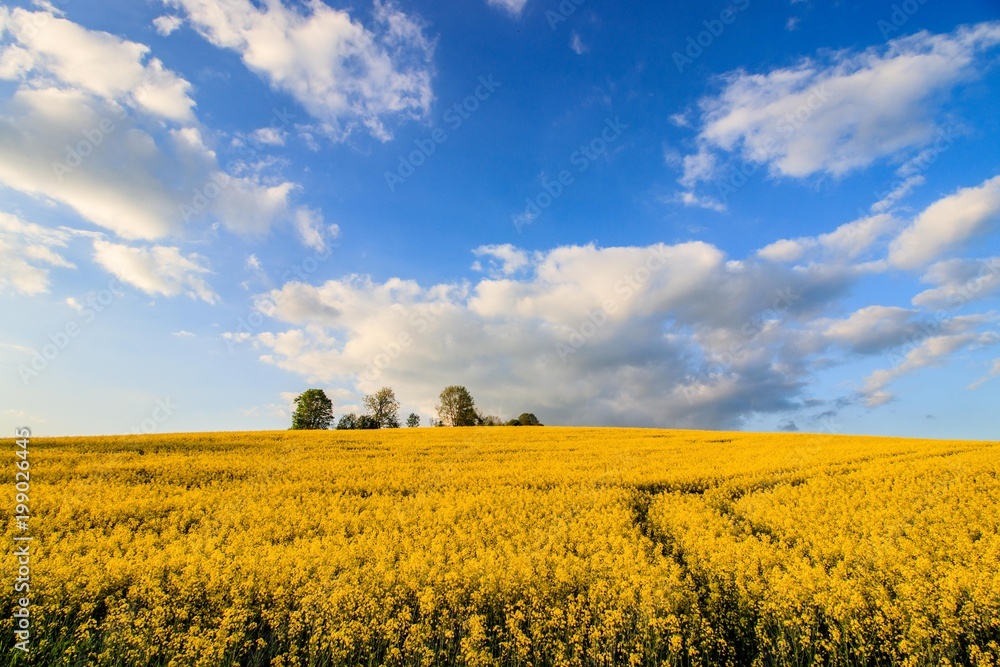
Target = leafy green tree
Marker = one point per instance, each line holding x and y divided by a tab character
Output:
528	419
383	407
513	422
313	410
348	422
413	420
367	422
456	407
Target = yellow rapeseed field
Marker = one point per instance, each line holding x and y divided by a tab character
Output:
511	546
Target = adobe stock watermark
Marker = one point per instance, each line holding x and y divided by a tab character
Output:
454	118
418	322
37	21
989	269
793	121
697	44
253	146
60	340
247	327
910	174
93	138
720	364
562	12
901	14
806	451
788	125
581	159
218	181
628	286
161	413
22	552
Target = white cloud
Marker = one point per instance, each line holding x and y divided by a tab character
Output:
577	45
166	25
129	180
874	329
842	112
512	7
786	250
343	73
946	224
312	231
504	259
956	334
269	136
183	334
26	252
959	281
156	270
628	335
902	190
236	337
91	136
621	335
115	185
698	167
699	201
680	119
847	242
96	62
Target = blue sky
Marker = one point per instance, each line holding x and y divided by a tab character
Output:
711	215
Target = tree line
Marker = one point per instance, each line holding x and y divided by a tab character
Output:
456	407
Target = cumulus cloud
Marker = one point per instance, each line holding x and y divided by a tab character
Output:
346	75
874	329
62	52
122	174
841	111
99	126
623	335
157	269
269	136
619	335
166	25
947	224
27	251
501	259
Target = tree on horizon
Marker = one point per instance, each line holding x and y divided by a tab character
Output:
313	411
383	408
456	407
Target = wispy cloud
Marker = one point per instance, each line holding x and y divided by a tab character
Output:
345	74
156	270
841	111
